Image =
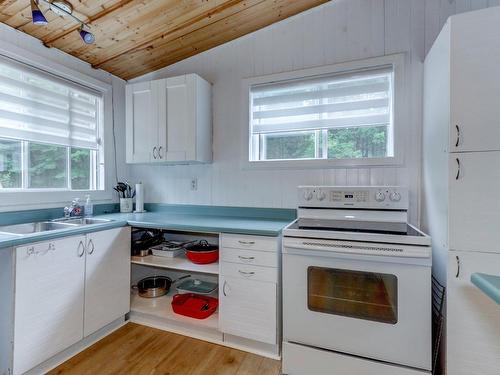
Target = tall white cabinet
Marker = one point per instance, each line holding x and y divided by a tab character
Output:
169	121
461	205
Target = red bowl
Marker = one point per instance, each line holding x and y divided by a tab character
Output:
203	257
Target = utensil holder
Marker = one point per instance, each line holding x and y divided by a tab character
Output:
126	205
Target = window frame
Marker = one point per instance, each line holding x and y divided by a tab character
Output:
400	114
47	197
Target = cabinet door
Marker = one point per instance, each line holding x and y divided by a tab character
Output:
474	206
475	81
248	309
141	122
48	300
473	319
180	112
107	278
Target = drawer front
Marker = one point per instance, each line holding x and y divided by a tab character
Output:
250	257
249	272
248	309
260	243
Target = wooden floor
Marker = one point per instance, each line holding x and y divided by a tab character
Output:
136	349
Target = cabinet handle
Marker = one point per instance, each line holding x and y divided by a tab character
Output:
50	247
80	245
458	136
246	258
159	152
30	251
458	266
93	248
246	242
246	274
458	169
154	152
224	288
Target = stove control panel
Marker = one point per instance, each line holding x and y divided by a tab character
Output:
369	197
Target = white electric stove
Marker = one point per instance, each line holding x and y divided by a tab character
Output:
356	284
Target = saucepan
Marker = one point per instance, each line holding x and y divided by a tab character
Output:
155	286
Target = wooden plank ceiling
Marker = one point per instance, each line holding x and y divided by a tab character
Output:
135	37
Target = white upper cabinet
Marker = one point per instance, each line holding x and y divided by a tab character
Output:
475	81
169	121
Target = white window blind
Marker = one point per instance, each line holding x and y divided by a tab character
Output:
43	108
354	99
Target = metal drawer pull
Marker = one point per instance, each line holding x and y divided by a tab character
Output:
224	288
458	136
458	169
93	248
246	242
246	258
246	274
159	153
154	152
80	245
458	266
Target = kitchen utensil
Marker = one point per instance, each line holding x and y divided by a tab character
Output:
202	252
155	286
142	252
194	305
145	239
196	286
169	249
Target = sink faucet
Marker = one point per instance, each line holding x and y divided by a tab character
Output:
74	209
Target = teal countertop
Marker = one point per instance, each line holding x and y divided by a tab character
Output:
214	219
488	284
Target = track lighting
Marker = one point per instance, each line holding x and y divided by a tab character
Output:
61	8
86	36
36	14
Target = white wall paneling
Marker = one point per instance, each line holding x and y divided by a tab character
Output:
338	31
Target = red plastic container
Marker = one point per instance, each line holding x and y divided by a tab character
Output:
194	305
203	257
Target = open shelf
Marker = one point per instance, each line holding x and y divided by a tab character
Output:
161	308
176	263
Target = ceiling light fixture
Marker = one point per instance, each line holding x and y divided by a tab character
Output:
36	14
62	8
86	36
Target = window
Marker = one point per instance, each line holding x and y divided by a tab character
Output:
50	131
338	115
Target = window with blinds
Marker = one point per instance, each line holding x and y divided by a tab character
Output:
337	116
50	131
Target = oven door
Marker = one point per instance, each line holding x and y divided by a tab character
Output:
367	305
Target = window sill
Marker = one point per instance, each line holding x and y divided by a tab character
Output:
323	163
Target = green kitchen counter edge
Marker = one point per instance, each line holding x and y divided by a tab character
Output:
190	218
488	284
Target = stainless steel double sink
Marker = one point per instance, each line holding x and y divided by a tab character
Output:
46	226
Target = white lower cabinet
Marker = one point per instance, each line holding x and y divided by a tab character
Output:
66	289
248	309
49	299
107	278
249	287
473	319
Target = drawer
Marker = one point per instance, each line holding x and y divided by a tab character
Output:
249	272
260	243
250	257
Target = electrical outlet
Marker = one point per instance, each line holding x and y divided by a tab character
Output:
194	184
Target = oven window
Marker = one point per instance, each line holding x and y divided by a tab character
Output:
361	295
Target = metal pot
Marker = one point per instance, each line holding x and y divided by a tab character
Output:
155	286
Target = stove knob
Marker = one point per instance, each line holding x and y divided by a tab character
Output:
380	196
320	195
395	196
308	195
